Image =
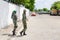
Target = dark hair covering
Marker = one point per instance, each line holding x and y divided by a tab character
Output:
24	11
14	12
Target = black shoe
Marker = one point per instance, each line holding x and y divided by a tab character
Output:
24	33
13	33
21	33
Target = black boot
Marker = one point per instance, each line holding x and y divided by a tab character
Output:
13	33
24	33
21	33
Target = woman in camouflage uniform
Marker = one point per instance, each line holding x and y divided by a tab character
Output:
14	18
24	23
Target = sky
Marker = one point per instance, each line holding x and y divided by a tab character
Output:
39	4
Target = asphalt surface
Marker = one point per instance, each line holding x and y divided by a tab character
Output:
40	27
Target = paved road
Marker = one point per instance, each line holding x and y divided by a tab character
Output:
40	27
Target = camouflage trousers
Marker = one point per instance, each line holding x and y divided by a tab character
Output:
24	26
15	27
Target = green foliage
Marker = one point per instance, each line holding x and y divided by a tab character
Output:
56	5
45	9
16	1
27	3
39	9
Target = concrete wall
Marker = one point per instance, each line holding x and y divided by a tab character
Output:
4	10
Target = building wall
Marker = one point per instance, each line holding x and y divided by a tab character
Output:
4	10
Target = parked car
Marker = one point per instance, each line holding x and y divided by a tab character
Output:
33	14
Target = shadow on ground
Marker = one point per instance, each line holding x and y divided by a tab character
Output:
13	35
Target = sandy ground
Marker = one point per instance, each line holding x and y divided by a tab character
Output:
40	27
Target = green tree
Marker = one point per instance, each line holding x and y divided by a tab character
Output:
56	5
45	9
39	9
30	4
27	3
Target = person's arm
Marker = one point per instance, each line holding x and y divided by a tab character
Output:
26	18
12	16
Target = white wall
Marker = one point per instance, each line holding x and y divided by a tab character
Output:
4	8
